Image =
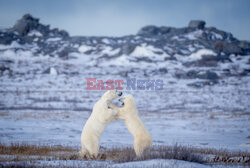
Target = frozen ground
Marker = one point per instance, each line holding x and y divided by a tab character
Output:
159	163
51	108
36	107
43	100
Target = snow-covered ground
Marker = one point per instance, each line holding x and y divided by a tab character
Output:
43	99
159	163
38	107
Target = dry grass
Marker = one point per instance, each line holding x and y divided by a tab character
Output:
23	152
157	152
3	114
27	150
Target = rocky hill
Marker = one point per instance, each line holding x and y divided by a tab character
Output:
192	52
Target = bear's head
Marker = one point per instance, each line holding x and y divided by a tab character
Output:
129	106
111	94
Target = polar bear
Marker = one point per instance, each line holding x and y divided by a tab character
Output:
129	113
97	122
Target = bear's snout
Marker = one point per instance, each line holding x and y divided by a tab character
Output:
120	94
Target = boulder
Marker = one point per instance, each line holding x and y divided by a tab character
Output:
245	46
228	48
154	30
194	74
201	84
149	30
127	49
209	75
198	24
26	24
231	48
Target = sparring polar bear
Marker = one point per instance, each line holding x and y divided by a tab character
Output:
129	113
97	122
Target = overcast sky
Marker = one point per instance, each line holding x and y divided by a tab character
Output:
123	17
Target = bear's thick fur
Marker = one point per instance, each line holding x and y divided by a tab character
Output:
97	122
129	113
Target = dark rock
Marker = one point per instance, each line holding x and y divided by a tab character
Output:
154	30
245	72
143	59
180	74
64	33
245	46
47	71
127	49
228	48
194	74
163	70
212	31
4	68
201	84
231	48
149	30
198	24
209	75
63	54
26	24
7	37
172	58
208	61
205	61
218	46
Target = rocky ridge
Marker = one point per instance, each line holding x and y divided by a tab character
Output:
192	52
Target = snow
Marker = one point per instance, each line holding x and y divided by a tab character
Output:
37	108
53	71
166	163
35	33
198	54
106	41
35	39
109	50
194	35
178	38
84	48
53	109
161	163
149	51
16	55
216	36
14	44
54	39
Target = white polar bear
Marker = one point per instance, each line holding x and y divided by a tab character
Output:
97	122
129	113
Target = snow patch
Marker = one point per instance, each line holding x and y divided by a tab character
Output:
106	41
14	44
53	71
149	51
54	39
110	51
84	48
194	35
198	54
216	36
35	33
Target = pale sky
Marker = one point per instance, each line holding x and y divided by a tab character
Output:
124	17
